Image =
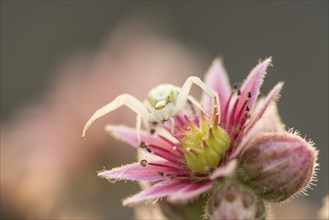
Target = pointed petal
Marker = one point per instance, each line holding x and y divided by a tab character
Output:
129	135
161	189
151	143
190	191
224	171
269	124
253	83
136	171
216	77
271	97
270	121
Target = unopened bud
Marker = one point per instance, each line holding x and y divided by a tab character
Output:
192	210
278	165
235	201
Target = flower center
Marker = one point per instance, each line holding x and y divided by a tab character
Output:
205	145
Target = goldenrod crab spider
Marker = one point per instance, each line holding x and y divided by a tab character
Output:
165	101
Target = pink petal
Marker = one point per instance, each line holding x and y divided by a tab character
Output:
161	189
216	77
155	144
269	122
136	171
224	171
252	128
183	120
129	135
272	96
169	155
190	191
253	83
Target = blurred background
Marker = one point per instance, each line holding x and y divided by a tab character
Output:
60	61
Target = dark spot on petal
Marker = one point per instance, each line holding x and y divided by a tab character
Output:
154	123
148	149
247	108
239	92
249	94
142	144
161	173
247	116
152	131
143	162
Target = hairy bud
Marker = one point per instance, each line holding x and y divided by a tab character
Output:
192	210
235	201
278	165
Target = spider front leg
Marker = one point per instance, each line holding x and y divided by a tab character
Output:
172	125
183	94
196	103
123	100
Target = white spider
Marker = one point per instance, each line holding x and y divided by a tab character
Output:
164	102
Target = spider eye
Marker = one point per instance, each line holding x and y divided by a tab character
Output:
160	105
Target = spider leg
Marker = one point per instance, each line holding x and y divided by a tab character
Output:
186	88
192	100
196	103
147	105
121	100
172	125
150	109
138	127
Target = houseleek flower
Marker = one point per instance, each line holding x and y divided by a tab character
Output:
236	151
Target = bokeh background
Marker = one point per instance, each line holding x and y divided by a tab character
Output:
62	60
